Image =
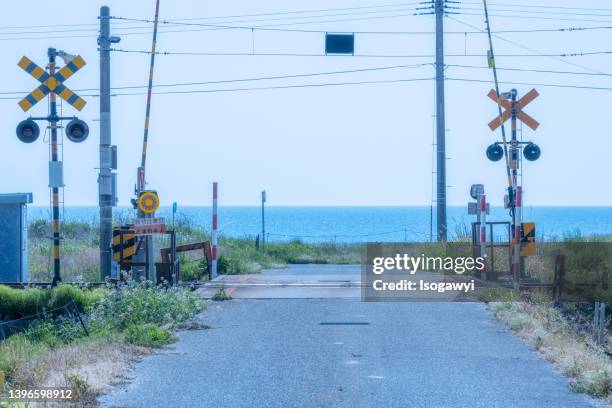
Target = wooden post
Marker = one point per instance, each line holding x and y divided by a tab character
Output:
599	322
559	277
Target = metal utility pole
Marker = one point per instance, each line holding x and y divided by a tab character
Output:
263	221
439	8
53	118
107	179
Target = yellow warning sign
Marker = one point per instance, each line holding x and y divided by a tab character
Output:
148	202
124	244
528	239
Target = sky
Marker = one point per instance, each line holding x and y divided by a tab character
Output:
366	144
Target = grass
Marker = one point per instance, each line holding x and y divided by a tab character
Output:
123	323
80	256
17	303
553	335
148	335
221	295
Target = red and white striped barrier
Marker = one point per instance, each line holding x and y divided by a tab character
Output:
518	211
483	225
213	235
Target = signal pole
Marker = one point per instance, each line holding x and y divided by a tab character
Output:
107	179
54	184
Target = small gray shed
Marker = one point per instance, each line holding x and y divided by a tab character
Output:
14	237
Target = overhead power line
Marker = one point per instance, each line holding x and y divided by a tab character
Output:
531	70
320	85
547	12
557	58
316	74
71	25
599	88
538	17
264	78
198	53
539	6
254	28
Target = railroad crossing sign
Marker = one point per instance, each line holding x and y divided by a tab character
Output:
124	243
528	239
52	83
518	107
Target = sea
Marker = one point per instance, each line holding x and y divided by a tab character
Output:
357	224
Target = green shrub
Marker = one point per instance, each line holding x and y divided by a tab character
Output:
148	335
16	303
83	299
192	269
221	295
140	303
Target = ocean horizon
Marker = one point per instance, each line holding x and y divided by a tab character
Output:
347	224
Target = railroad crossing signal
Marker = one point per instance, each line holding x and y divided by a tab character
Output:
518	106
52	83
148	202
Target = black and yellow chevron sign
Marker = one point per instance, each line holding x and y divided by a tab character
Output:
128	243
52	83
528	239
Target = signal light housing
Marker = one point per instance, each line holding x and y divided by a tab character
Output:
28	131
77	130
532	152
495	152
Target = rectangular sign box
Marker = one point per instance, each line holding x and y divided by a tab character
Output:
155	225
473	208
339	43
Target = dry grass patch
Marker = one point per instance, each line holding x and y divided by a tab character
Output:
548	331
87	367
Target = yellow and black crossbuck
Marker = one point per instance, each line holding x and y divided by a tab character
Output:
52	83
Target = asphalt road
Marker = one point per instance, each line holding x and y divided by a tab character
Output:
309	351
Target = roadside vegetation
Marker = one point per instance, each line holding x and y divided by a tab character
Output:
221	295
561	333
236	255
53	350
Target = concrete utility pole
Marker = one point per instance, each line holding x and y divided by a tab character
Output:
439	8
107	179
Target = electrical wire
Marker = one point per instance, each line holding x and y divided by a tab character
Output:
265	78
532	70
573	13
538	18
197	91
598	88
538	6
196	53
557	58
